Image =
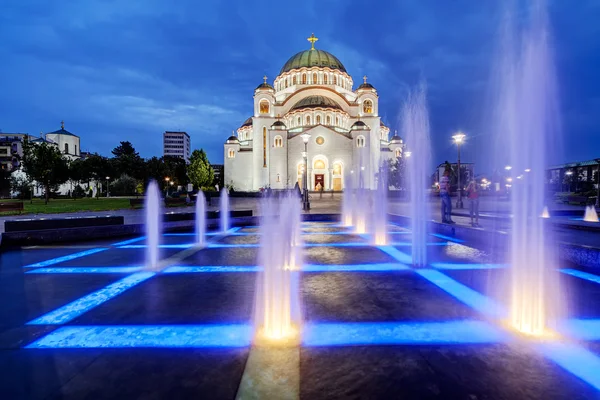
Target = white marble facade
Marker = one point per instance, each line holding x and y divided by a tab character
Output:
312	94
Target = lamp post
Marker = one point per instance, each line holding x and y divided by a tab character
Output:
459	139
107	194
305	202
569	173
167	179
598	183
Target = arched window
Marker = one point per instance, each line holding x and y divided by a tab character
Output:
325	79
286	82
278	141
360	141
319	164
299	121
231	153
75	150
318	119
66	148
337	121
367	106
314	78
304	79
308	120
337	169
335	80
294	80
328	120
263	107
264	147
398	153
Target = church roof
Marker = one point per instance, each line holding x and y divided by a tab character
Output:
359	125
62	131
396	138
247	122
278	125
232	138
366	86
315	102
42	140
312	58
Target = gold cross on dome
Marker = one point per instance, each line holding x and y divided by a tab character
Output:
62	124
312	39
365	79
265	78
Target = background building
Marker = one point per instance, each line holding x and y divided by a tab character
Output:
177	144
11	150
313	94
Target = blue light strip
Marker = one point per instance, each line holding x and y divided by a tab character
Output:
162	246
65	258
123	336
457	266
580	362
201	269
76	308
355	267
463	293
393	333
85	270
581	329
452	239
398	255
582	275
126	242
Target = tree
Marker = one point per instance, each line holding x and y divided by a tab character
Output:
199	170
396	171
176	169
19	183
44	163
155	169
124	186
127	161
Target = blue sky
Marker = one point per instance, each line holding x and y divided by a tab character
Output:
128	70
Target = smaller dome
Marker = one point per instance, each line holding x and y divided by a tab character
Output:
359	126
366	86
278	125
247	122
232	139
396	138
264	86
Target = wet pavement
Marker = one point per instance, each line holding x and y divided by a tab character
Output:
88	321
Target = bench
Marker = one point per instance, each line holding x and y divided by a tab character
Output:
133	203
583	200
12	206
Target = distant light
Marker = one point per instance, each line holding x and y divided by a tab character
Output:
459	137
528	170
305	137
508	168
362	168
569	173
508	179
408	153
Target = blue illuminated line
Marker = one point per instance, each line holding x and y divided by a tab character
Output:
393	333
190	336
162	246
76	308
463	293
126	242
466	266
582	329
354	267
65	258
582	275
452	239
580	362
85	270
201	269
396	254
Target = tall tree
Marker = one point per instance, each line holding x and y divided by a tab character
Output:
176	169
44	163
127	161
199	170
155	169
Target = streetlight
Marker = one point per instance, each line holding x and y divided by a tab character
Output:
569	173
459	138
167	179
508	168
305	202
107	178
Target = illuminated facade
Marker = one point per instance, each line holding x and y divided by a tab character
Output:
312	94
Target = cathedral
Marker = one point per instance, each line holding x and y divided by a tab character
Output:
312	116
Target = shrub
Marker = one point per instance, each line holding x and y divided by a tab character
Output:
124	186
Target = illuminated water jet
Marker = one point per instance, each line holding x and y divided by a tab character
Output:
200	219
224	210
545	212
153	225
590	214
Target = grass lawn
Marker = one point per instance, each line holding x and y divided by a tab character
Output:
69	205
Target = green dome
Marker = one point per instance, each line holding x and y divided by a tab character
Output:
312	58
315	102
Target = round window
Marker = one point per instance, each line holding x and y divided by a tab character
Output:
320	140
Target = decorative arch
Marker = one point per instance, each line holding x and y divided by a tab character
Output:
278	141
304	79
263	106
318	121
308	120
315	78
368	106
337	176
320	172
325	79
231	153
328	120
294	80
360	141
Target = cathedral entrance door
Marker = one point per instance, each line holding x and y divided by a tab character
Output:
337	184
319	178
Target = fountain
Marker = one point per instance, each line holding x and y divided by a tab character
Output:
545	212
415	125
380	208
348	204
224	210
527	118
277	303
200	219
153	224
590	214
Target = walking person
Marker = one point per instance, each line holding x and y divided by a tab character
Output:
473	196
445	197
